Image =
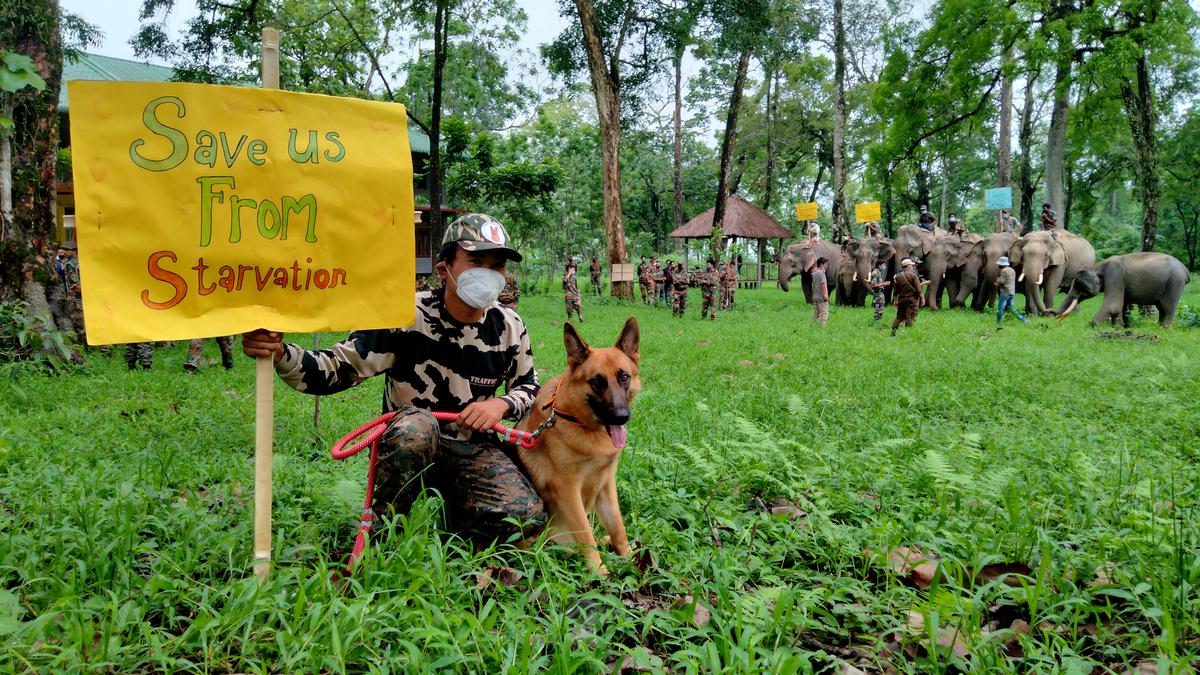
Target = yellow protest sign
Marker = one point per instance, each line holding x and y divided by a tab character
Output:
806	211
866	212
206	210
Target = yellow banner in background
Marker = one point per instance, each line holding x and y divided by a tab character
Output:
206	210
806	211
866	212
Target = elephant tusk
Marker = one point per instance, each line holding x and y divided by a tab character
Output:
1021	278
855	276
1070	308
1039	281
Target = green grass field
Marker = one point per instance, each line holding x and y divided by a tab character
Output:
1047	449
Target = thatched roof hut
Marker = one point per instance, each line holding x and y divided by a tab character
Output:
742	219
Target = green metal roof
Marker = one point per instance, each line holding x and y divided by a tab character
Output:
108	68
96	67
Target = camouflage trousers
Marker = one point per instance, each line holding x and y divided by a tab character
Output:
647	292
196	347
573	305
597	287
678	301
708	303
139	353
877	304
486	495
727	297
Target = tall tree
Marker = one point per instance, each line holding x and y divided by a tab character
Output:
840	222
1004	142
603	33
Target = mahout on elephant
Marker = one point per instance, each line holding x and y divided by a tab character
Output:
1046	262
799	259
1127	280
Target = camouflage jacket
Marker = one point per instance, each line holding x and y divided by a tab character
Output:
708	280
436	363
570	286
511	293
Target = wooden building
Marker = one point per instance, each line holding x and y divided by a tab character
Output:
742	220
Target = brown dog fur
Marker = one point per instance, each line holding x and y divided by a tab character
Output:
574	464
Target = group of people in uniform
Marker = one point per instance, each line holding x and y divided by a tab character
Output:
64	295
660	285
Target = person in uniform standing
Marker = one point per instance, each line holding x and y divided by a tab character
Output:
709	281
728	284
196	349
679	289
511	293
820	292
878	284
662	282
1006	282
139	354
906	295
595	272
643	278
570	282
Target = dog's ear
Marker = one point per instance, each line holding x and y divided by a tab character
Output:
577	349
628	341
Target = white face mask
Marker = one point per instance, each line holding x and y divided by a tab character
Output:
479	287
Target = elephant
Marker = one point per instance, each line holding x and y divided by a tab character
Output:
980	271
944	265
1127	280
913	242
1047	262
852	279
799	259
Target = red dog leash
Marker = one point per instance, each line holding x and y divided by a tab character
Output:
370	434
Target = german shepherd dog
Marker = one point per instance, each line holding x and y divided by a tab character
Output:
573	466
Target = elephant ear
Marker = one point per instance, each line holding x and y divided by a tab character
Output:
852	246
1015	252
1058	254
886	251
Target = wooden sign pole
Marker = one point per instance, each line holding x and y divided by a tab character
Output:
264	381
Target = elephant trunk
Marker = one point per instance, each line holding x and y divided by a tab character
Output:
785	274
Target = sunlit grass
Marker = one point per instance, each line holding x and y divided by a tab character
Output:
125	508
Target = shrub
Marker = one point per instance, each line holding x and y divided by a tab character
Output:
32	339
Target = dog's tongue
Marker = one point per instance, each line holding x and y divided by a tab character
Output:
617	434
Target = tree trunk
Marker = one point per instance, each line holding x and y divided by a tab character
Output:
1004	159
677	127
1065	220
839	123
887	203
1138	97
7	229
1024	136
606	87
31	28
772	111
812	196
1056	144
441	23
735	103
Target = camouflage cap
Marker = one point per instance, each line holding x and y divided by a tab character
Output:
480	232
